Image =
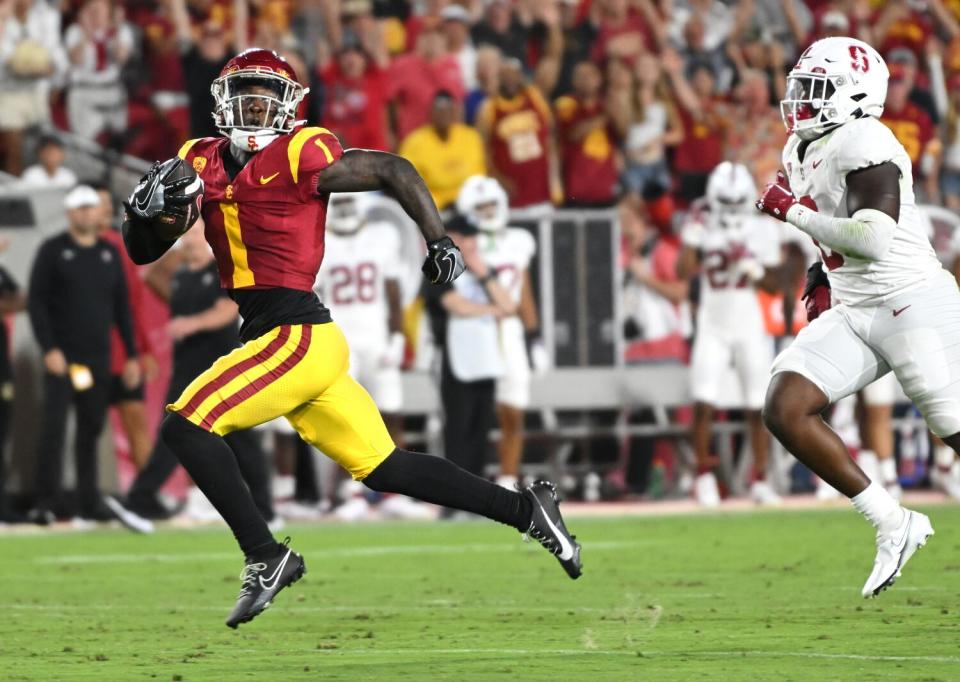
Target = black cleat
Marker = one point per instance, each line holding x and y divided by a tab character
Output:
547	527
261	582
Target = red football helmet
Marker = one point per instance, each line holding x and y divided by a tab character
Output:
263	75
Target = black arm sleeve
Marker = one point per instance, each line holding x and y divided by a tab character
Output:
122	316
143	244
41	295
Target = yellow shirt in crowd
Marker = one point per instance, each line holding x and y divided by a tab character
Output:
445	164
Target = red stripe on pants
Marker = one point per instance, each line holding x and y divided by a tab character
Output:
233	372
260	383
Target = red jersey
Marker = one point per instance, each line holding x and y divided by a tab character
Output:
589	167
356	110
518	132
136	293
266	224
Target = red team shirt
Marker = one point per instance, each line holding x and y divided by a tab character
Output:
266	225
518	130
589	168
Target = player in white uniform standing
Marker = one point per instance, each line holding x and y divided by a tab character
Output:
508	251
359	282
849	186
734	251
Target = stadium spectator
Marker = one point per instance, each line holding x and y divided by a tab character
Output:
695	44
31	60
203	326
50	171
759	145
655	300
578	34
445	151
129	400
463	318
503	29
915	131
704	118
98	45
202	60
903	65
517	127
12	301
787	23
487	79
950	177
627	29
456	29
77	294
587	141
700	25
355	106
912	25
649	123
415	78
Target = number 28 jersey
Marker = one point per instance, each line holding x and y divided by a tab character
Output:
351	282
822	176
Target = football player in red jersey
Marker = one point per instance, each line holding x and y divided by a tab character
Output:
265	186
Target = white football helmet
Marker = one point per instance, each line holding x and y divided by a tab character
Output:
346	212
483	201
730	190
836	80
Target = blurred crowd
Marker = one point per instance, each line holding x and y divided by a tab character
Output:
622	104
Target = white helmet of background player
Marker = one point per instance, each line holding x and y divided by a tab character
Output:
730	189
346	212
836	80
483	202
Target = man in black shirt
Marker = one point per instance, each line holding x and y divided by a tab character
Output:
77	293
12	300
203	326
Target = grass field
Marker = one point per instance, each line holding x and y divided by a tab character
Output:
756	596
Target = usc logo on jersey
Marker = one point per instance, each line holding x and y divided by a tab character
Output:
229	192
199	164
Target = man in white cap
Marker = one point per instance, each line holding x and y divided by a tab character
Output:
77	293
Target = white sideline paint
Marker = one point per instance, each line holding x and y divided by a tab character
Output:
326	553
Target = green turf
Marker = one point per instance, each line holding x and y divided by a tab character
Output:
765	596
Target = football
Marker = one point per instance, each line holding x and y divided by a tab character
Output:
181	199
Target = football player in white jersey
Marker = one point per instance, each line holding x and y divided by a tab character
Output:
508	251
892	307
735	251
359	282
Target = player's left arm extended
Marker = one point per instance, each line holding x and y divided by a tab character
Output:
364	170
873	204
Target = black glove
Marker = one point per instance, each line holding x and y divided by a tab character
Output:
816	293
444	261
168	188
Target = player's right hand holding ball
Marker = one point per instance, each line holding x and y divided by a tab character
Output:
444	262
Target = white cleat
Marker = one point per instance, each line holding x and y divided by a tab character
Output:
127	517
706	491
894	489
402	507
354	509
894	549
947	480
763	494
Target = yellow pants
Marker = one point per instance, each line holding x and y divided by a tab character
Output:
298	372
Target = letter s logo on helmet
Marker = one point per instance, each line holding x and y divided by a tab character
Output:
835	80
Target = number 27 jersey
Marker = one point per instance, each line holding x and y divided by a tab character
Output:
822	176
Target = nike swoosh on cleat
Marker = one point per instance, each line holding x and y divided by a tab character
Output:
271	582
566	549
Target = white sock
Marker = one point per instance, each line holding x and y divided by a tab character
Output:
943	456
888	470
875	503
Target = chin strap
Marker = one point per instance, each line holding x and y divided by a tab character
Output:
252	142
